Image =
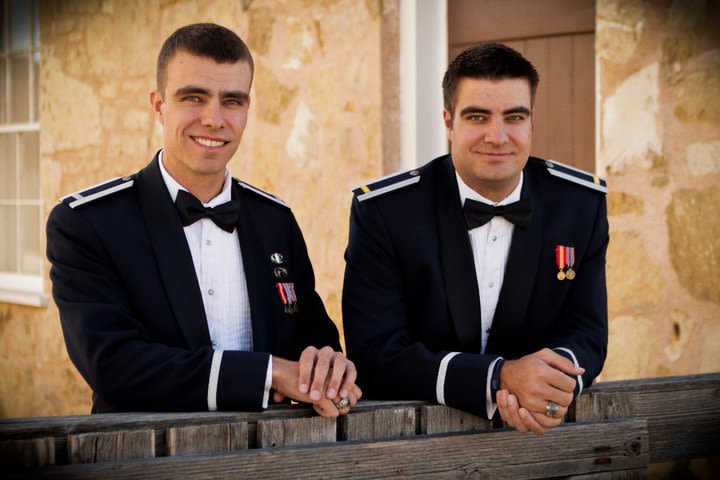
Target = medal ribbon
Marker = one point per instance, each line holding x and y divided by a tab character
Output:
281	291
560	257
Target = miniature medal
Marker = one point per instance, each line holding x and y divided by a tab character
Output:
570	273
560	261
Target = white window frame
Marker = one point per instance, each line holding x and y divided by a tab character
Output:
423	60
17	287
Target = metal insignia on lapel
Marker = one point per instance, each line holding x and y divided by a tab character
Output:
565	259
277	258
280	272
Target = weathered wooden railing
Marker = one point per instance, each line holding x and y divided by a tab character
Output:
615	431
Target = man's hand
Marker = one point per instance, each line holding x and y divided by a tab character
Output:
321	377
529	383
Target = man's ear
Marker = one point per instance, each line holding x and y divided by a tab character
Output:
447	119
156	102
532	119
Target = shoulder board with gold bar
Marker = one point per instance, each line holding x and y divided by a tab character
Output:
575	175
386	184
257	191
100	190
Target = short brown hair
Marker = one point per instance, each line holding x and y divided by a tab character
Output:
204	40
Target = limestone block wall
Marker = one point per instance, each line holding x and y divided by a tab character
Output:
313	133
658	64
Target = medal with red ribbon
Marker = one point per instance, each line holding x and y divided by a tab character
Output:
288	297
565	257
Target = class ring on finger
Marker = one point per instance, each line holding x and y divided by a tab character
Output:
343	404
551	409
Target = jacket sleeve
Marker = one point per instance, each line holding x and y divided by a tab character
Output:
381	338
582	327
127	367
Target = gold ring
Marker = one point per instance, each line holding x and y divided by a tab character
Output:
551	409
343	404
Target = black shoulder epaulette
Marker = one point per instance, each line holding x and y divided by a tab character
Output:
575	175
100	190
257	191
386	184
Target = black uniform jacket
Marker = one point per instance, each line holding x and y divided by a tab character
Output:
130	304
411	294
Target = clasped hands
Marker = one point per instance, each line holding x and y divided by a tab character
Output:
321	377
527	385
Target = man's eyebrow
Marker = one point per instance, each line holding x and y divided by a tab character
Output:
524	110
239	94
472	109
191	89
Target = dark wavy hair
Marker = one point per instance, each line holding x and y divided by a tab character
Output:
488	61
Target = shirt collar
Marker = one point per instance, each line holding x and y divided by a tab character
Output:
467	192
173	186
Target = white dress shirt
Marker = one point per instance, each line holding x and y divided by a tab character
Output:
490	245
217	259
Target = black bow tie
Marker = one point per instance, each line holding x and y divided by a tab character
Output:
478	214
191	210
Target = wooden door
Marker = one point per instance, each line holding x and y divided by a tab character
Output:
558	37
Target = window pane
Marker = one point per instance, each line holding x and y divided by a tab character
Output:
19	103
36	20
30	261
20	26
8	188
29	166
35	91
3	28
3	94
8	242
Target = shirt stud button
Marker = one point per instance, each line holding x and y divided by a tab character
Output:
211	292
491	284
208	242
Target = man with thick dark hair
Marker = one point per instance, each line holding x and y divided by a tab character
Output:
478	279
181	288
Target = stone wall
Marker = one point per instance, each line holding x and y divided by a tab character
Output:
659	147
313	133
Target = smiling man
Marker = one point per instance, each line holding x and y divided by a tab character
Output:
478	280
182	288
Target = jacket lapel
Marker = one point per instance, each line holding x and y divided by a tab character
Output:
521	268
257	268
173	255
457	260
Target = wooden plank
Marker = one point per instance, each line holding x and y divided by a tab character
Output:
583	137
616	445
635	474
683	416
472	21
441	419
35	452
380	424
198	439
295	431
603	406
32	427
558	84
110	446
